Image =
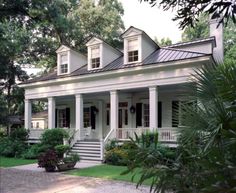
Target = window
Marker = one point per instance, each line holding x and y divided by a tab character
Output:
37	124
146	115
62	122
87	116
64	64
133	50
95	57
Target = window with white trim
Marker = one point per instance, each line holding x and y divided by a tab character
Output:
95	57
133	50
64	63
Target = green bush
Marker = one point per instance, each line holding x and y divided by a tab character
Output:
19	134
11	148
71	158
111	144
61	149
34	151
116	156
54	137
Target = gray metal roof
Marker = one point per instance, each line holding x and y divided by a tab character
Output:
161	55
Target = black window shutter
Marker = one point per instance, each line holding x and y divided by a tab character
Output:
55	118
68	117
175	113
138	114
93	119
159	114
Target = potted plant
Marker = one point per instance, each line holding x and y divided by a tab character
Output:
48	160
68	162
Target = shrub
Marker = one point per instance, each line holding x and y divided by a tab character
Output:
11	148
116	156
19	134
33	152
111	144
49	159
61	149
53	137
71	158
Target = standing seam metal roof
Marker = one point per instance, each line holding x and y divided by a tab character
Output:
160	55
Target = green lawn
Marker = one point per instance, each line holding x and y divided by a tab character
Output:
10	162
107	172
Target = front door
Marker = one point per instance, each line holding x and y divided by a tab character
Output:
122	121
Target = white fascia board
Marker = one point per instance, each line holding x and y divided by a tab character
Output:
119	71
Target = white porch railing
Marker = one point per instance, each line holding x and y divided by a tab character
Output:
166	134
35	133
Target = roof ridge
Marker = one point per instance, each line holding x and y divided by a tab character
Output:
179	50
191	41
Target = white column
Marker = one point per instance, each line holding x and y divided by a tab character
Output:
28	111
100	119
153	98
79	112
51	113
113	110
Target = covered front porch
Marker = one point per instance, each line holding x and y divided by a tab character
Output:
115	114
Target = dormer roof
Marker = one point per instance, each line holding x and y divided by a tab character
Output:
97	40
63	48
133	31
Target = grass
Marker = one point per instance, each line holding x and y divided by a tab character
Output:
10	162
108	172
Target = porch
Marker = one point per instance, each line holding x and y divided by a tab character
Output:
118	114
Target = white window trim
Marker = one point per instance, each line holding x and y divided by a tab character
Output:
126	56
59	62
90	56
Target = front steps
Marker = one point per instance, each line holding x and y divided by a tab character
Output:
88	150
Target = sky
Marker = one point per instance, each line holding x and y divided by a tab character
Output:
152	20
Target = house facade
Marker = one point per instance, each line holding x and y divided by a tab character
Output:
113	94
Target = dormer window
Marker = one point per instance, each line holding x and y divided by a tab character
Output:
64	63
95	57
133	50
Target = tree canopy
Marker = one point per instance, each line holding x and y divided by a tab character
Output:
188	11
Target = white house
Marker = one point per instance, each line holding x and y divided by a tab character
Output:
112	94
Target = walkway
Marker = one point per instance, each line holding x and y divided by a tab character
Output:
14	180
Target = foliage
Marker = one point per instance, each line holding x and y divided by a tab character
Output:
116	156
61	149
11	148
207	143
188	11
163	41
53	137
19	134
200	30
71	158
111	144
33	151
48	159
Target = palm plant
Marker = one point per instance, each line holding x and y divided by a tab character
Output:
206	160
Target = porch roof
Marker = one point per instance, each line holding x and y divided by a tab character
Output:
161	55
